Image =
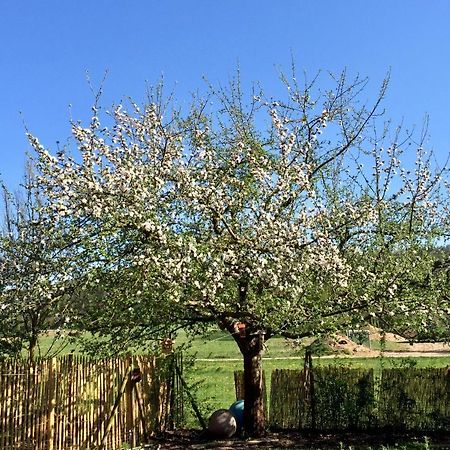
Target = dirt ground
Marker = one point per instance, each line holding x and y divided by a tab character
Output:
294	440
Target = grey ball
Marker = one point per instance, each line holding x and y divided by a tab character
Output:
222	424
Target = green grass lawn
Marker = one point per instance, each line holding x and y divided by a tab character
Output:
219	344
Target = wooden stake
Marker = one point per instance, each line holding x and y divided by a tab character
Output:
122	389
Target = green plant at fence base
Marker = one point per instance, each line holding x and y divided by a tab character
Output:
407	363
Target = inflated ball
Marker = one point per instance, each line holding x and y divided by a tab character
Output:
237	409
222	424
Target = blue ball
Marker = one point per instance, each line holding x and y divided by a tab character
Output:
237	409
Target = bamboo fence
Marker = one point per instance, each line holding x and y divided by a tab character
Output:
344	398
74	403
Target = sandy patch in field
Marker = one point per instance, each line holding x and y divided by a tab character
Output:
342	343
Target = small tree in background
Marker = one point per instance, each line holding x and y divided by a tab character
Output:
269	217
34	254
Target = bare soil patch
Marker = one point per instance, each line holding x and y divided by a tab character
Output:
343	344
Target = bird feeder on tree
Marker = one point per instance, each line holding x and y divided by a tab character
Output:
240	329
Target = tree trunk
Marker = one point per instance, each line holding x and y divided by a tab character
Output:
254	418
32	343
250	341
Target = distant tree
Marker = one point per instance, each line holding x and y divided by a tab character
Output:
32	252
298	225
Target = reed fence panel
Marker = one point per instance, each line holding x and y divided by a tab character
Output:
326	398
343	398
287	399
415	399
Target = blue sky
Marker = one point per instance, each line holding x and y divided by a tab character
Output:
48	45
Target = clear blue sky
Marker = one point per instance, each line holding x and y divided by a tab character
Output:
47	46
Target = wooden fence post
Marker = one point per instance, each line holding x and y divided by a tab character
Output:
109	422
129	420
52	403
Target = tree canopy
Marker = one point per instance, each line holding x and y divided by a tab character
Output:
210	216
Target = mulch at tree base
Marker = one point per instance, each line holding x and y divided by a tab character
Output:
294	440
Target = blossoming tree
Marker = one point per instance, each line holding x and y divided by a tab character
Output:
291	217
33	249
